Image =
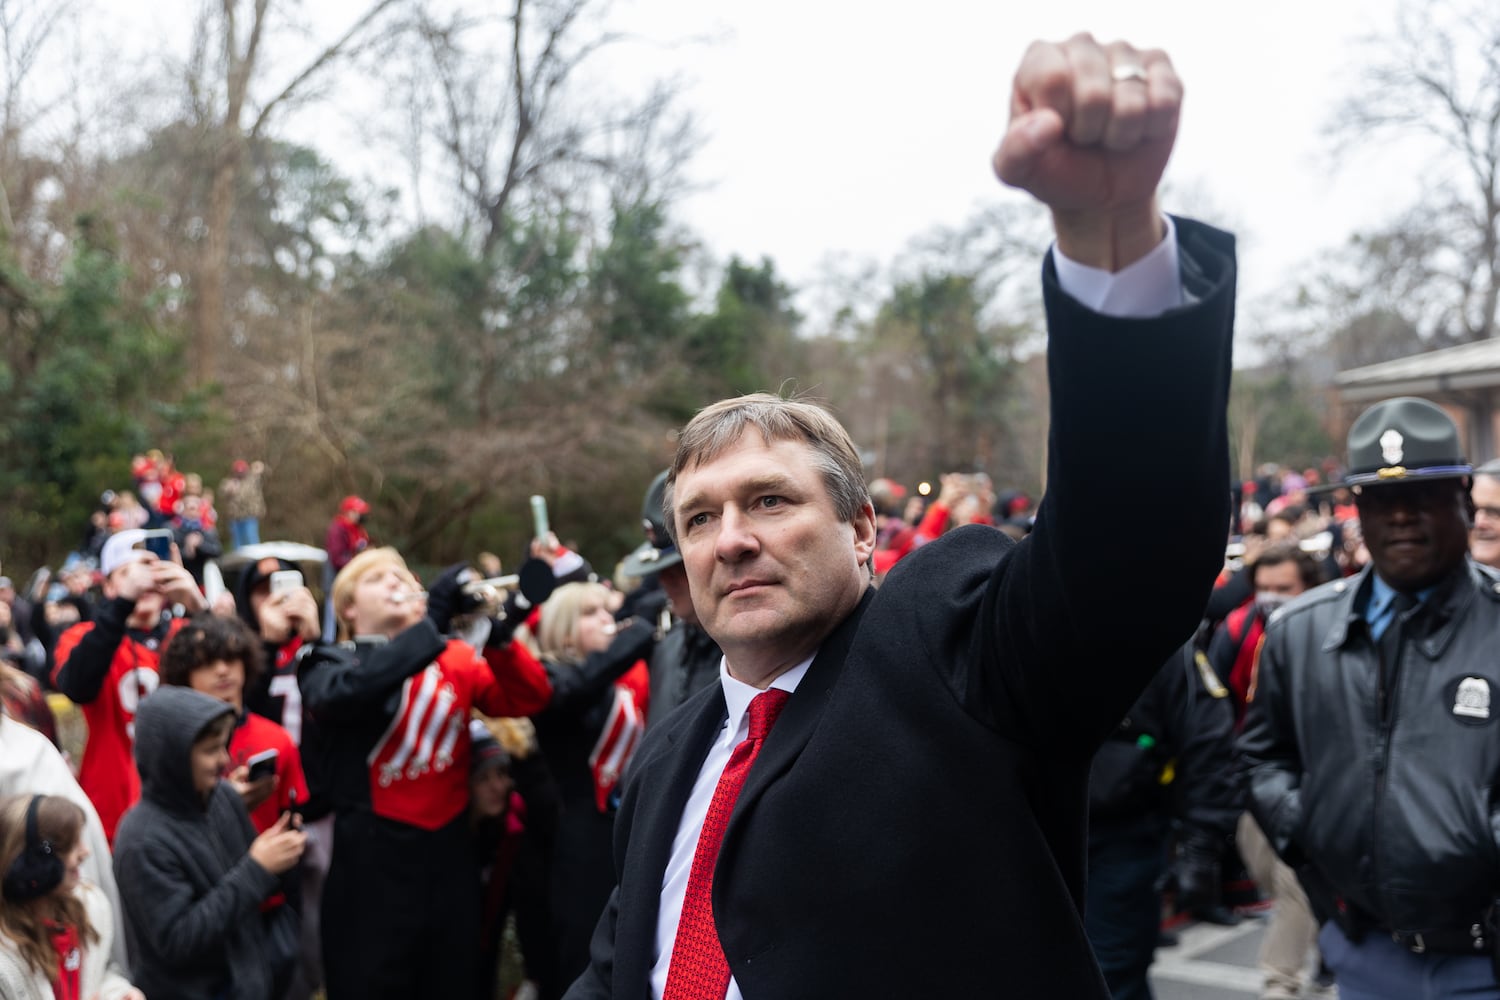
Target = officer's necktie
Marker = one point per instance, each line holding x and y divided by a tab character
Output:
1389	645
699	970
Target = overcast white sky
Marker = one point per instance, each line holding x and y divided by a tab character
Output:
845	128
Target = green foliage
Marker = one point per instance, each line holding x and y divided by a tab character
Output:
748	343
1274	417
99	384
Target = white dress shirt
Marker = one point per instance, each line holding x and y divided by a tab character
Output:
737	698
1148	287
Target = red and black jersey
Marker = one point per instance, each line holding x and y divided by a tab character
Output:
254	735
108	670
393	719
275	694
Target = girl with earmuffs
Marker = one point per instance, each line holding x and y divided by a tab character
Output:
55	928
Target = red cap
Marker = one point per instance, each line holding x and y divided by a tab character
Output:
240	465
354	504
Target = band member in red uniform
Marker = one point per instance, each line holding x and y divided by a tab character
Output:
401	905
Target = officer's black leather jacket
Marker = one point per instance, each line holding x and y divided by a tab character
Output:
1395	819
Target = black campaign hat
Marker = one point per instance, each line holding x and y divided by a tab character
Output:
657	552
1404	439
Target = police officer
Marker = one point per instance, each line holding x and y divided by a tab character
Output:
1371	737
1171	757
685	659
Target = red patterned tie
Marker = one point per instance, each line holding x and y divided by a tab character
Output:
699	970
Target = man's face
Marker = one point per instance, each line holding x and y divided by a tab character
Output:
138	575
1417	533
1484	540
210	759
1282	578
386	601
771	567
221	679
674	583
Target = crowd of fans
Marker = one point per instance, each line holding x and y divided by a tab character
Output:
269	795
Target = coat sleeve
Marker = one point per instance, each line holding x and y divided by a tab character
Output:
85	652
337	685
1212	791
159	903
573	687
1054	661
1267	750
517	682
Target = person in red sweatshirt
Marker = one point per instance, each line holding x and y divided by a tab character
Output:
109	665
401	907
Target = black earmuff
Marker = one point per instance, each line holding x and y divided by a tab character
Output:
37	870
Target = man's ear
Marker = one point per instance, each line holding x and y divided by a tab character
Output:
864	533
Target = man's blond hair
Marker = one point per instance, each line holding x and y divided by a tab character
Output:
355	570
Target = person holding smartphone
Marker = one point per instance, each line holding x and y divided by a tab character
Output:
221	657
109	665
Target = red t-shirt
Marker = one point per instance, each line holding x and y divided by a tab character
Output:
107	772
255	734
69	961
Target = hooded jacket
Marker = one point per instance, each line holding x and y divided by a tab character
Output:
274	694
192	893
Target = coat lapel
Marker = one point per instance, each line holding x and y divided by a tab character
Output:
661	789
795	726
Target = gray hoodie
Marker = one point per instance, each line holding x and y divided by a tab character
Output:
191	893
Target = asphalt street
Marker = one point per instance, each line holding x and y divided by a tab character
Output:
1213	963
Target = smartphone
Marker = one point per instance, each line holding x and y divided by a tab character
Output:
285	579
262	765
158	541
539	517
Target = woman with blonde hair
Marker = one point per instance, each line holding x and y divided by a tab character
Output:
56	930
588	732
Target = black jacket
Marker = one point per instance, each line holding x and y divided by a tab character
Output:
1172	754
1399	821
683	663
915	820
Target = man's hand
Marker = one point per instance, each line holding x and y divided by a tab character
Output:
1091	129
280	847
287	614
252	793
177	584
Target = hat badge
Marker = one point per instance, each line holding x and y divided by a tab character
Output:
1391	446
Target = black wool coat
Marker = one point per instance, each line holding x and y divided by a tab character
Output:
915	822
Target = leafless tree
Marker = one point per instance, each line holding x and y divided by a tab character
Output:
229	47
1438	75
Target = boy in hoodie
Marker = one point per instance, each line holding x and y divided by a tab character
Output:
193	875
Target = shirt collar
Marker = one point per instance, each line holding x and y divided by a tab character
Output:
1382	594
738	694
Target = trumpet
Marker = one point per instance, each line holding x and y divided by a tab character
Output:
491	590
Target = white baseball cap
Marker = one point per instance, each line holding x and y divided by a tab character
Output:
121	549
